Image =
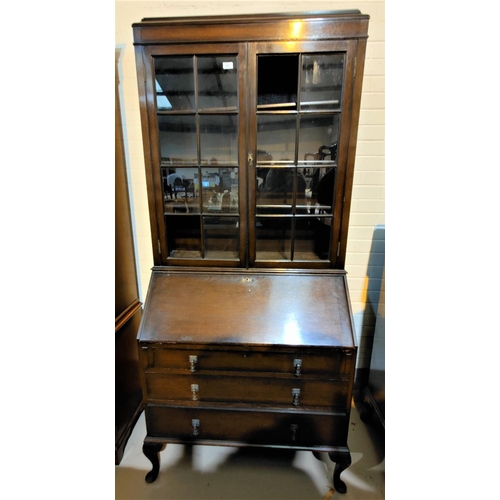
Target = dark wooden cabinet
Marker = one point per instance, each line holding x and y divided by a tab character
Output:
128	308
249	130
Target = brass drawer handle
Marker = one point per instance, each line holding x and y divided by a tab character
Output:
294	428
196	423
295	394
297	363
194	389
192	363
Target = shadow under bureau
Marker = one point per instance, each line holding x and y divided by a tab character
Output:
248	358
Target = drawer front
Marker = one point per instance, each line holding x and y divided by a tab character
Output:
327	363
289	391
301	429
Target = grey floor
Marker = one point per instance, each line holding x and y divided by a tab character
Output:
214	472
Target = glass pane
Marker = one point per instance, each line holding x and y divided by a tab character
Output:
217	82
183	236
219	139
277	81
221	237
312	238
178	139
319	192
174	83
273	238
322	79
276	189
276	137
180	194
318	137
220	190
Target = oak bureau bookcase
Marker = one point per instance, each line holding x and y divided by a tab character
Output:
249	129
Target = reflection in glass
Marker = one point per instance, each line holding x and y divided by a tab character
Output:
220	190
217	82
178	139
318	136
180	194
174	83
221	237
273	238
183	236
319	192
277	186
322	79
219	139
276	136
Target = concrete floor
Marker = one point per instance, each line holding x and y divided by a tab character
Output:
215	472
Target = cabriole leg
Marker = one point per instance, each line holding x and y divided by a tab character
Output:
152	452
342	460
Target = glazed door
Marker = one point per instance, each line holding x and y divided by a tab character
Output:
196	116
249	146
297	151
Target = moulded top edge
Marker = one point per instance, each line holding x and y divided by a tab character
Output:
252	29
343	14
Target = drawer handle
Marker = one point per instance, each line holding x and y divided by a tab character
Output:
192	363
294	428
194	389
196	424
297	363
295	394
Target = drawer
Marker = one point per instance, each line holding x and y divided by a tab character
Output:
327	363
248	426
287	391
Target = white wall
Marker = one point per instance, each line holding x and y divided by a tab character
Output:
368	201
